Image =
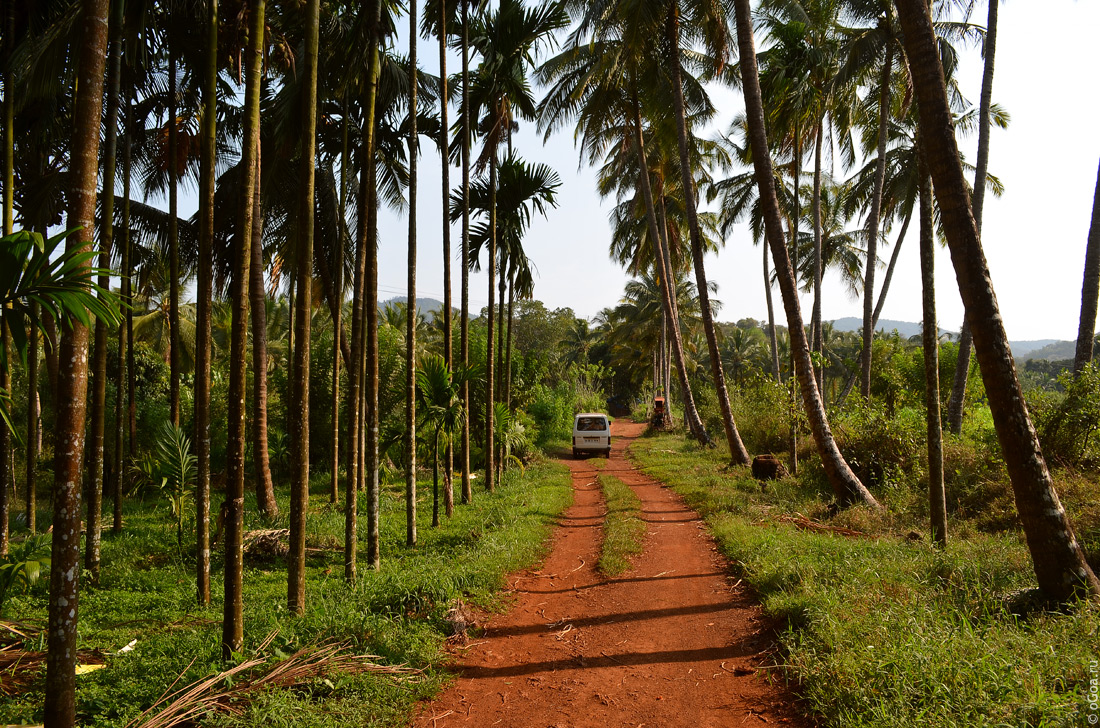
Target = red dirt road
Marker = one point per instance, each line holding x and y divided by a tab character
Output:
673	642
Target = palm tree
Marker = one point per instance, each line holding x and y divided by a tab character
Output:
937	501
205	294
441	409
710	24
257	297
1060	565
1090	287
846	486
410	325
60	707
299	485
957	400
233	505
507	41
600	83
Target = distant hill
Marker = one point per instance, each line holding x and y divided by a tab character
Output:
426	305
1050	349
905	328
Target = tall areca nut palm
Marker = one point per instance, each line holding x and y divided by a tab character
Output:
299	484
846	486
61	637
410	323
233	505
94	524
1060	566
205	294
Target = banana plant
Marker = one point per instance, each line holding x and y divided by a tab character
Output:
25	563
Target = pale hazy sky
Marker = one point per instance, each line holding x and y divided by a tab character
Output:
1034	236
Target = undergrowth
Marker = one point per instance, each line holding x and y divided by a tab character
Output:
623	527
147	594
884	630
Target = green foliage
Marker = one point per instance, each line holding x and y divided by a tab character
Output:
25	564
761	409
174	469
880	448
1067	421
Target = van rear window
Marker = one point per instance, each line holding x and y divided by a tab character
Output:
591	424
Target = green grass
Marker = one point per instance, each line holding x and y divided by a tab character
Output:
881	631
147	593
623	528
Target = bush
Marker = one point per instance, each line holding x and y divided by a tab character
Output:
1067	421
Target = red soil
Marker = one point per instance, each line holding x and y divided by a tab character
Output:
674	642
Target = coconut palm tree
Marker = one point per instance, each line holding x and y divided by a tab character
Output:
1090	287
707	24
846	486
599	82
1060	565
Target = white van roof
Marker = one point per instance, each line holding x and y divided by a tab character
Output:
591	414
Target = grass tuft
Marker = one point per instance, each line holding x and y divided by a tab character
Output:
623	530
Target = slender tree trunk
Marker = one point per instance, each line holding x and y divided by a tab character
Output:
1090	287
33	423
490	470
937	500
299	433
369	447
445	187
410	310
508	339
128	292
664	274
355	371
173	239
738	454
815	323
1060	565
773	340
233	505
261	457
464	323
957	402
336	313
72	382
846	486
873	222
94	523
205	294
7	475
435	480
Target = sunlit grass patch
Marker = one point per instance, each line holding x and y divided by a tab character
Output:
623	528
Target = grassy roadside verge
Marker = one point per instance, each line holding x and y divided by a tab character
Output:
147	594
882	631
623	529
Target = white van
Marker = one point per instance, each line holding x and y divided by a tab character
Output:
591	433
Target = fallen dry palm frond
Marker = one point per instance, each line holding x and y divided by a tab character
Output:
217	693
807	524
